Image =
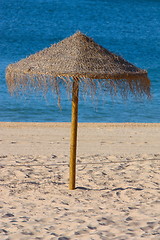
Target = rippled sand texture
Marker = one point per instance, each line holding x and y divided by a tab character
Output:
117	195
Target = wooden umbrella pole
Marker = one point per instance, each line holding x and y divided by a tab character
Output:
73	140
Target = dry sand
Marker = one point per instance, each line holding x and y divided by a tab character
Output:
118	182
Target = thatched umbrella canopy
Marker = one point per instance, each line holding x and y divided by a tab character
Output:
77	61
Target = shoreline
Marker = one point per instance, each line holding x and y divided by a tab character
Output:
80	124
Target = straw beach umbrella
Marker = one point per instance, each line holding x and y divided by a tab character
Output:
77	62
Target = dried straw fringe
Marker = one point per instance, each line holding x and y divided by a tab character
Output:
22	82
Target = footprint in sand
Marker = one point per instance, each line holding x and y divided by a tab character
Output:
128	194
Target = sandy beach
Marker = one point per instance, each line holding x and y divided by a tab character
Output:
117	193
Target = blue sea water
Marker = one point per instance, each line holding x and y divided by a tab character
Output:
130	28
